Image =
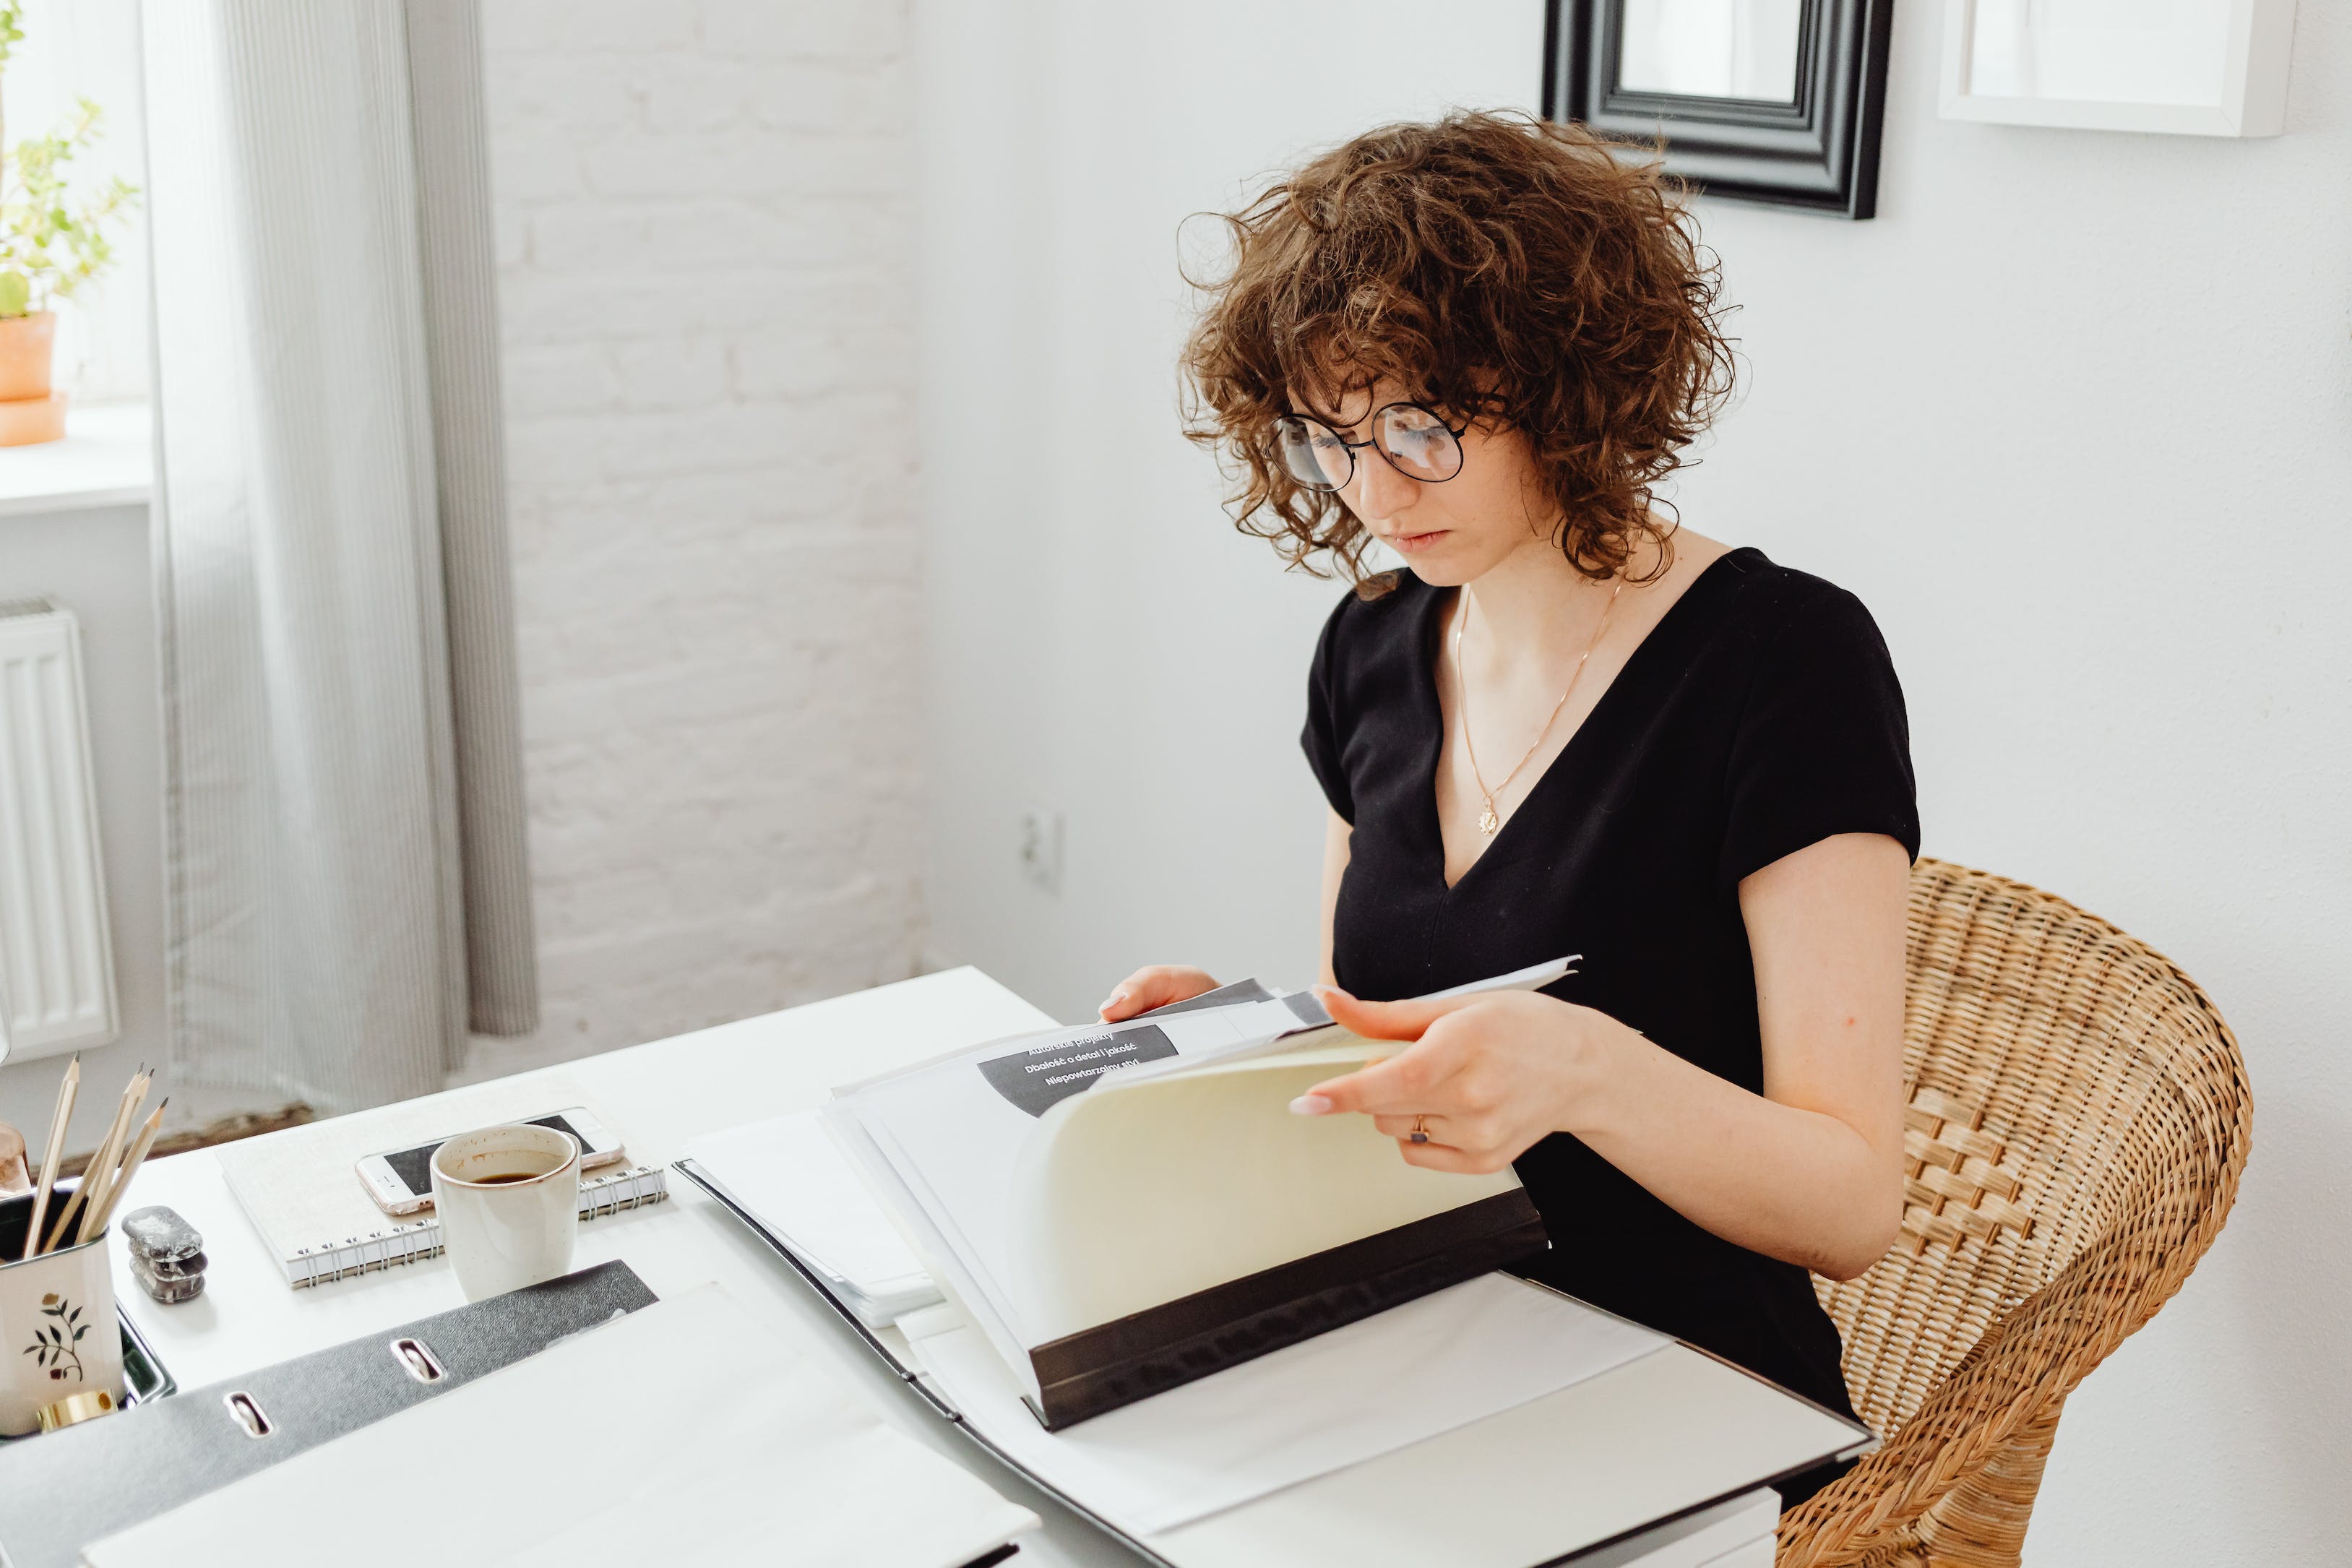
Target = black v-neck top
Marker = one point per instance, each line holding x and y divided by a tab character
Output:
1760	715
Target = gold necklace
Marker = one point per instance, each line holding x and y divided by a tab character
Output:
1489	823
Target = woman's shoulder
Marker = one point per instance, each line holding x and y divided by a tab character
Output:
1799	663
1380	616
1762	586
1383	595
1375	647
1764	603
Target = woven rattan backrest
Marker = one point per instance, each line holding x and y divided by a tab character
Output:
2064	1080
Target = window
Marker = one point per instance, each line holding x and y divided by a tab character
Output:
74	49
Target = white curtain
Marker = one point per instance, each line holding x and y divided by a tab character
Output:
347	879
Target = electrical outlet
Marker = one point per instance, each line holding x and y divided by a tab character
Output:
1041	848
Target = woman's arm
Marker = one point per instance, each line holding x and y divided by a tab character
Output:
1809	1172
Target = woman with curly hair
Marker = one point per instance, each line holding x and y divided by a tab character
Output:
1571	727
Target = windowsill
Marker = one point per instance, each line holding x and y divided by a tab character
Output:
106	459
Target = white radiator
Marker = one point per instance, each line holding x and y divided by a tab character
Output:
57	965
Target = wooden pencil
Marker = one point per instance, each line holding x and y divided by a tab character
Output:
99	1181
110	1154
53	1152
134	1093
91	1192
112	1196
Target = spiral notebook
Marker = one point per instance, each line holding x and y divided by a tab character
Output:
412	1241
300	1190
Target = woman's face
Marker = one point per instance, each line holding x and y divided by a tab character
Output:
1450	532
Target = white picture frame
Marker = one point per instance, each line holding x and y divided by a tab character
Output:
2189	67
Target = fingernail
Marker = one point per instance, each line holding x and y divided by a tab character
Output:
1113	1000
1311	1105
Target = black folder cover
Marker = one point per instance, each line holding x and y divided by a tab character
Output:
62	1491
1100	1368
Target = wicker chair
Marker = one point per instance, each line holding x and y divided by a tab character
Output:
2078	1118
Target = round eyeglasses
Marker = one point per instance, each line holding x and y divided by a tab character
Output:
1414	440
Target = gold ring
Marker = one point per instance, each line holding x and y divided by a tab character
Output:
1419	1129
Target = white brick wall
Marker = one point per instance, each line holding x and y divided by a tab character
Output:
705	218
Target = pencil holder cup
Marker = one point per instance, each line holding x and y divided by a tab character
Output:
59	1335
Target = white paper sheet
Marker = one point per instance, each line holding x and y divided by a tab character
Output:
951	1131
1405	1375
954	1137
724	1447
790	1173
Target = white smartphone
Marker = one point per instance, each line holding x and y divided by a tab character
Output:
401	1180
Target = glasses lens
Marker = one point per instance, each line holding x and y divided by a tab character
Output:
1418	442
1314	455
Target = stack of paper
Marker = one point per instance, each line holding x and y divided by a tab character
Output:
1385	1383
789	1174
1123	1208
708	1440
948	1135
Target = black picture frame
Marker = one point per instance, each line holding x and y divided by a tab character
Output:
1820	152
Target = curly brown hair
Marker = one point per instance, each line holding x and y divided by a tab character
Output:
1507	271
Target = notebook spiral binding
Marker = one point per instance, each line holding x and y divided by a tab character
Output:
612	1192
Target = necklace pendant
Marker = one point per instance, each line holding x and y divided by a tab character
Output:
1488	823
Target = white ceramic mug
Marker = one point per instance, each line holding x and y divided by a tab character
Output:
509	1201
57	1332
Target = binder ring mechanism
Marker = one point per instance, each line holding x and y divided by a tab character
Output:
247	1414
416	1358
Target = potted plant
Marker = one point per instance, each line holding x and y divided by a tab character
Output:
48	251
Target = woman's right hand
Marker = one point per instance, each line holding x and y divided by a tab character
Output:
1156	986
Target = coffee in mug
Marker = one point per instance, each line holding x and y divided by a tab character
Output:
509	1200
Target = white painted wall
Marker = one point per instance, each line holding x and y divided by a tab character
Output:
1101	643
2073	416
704	219
94	561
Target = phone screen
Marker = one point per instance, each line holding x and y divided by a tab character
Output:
414	1166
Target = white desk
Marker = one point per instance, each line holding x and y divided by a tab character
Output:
1625	1454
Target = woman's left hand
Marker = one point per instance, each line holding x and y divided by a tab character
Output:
1486	1076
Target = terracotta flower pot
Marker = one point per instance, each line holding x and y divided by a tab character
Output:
29	411
26	346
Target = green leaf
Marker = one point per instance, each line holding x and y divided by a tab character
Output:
48	224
